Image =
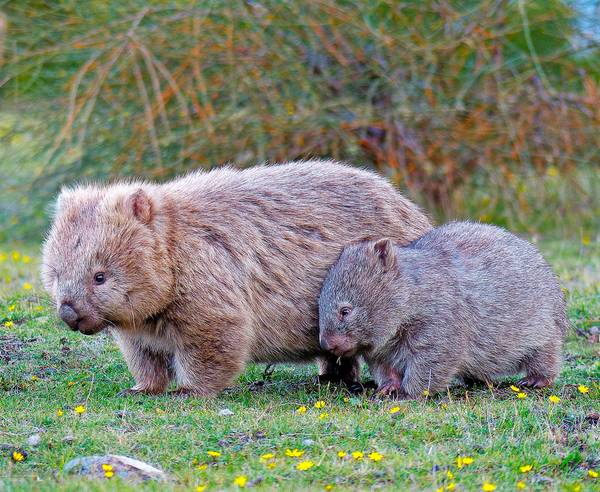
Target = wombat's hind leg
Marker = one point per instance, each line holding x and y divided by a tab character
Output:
339	370
541	367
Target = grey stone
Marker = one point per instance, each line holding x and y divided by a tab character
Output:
122	466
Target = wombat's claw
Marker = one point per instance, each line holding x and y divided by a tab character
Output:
392	390
357	388
535	382
181	393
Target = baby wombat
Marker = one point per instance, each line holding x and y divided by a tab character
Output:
198	276
466	300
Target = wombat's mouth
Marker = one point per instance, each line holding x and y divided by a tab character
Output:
88	327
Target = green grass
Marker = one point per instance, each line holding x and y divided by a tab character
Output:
45	367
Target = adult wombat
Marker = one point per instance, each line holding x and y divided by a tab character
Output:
200	275
467	300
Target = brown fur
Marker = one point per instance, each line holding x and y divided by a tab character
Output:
213	270
466	300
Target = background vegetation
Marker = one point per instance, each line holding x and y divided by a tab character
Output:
476	108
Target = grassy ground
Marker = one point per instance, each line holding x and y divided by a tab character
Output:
46	371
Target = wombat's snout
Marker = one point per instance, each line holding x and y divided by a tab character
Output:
337	345
69	315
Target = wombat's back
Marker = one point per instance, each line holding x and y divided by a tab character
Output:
503	291
278	229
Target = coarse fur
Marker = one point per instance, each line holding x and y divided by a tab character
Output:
207	272
466	300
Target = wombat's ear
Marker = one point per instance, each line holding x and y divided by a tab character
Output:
384	251
140	204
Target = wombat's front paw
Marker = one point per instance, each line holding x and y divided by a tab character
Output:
358	388
392	390
182	393
535	382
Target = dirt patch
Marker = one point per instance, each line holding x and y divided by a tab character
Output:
11	348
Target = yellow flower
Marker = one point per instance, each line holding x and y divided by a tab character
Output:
11	308
59	412
16	256
586	240
342	454
346	400
80	409
552	171
329	486
451	486
324	415
202	467
425	392
106	467
488	487
26	259
450	475
301	409
294	453
375	456
357	455
319	404
394	410
108	474
583	389
305	465
440	489
35	378
8	324
463	461
3	257
241	481
70	383
267	456
17	456
38	308
515	388
27	286
521	395
213	454
525	468
592	474
271	464
200	488
554	399
521	485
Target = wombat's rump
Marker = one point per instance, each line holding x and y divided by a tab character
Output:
197	276
466	300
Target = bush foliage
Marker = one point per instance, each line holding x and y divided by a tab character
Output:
485	108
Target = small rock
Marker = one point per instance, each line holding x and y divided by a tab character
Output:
34	439
122	466
123	413
225	412
308	442
68	438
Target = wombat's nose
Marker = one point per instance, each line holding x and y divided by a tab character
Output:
69	315
326	344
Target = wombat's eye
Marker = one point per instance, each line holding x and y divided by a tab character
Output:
99	278
344	311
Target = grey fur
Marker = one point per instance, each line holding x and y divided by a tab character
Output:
465	300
